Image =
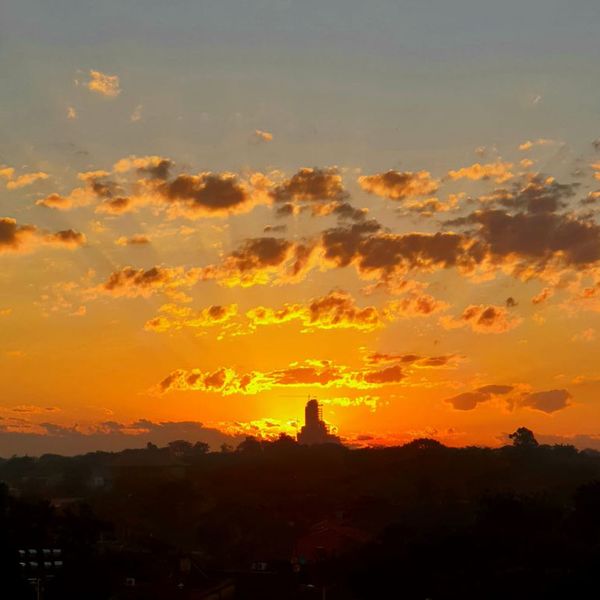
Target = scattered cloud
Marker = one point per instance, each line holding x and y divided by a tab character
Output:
103	84
25	238
134	240
136	115
498	171
529	144
398	185
16	182
483	319
309	373
260	136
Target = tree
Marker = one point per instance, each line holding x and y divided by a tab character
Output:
249	446
180	447
523	438
201	448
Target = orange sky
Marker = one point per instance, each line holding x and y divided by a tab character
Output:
229	298
195	233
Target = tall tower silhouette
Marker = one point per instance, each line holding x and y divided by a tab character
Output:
315	431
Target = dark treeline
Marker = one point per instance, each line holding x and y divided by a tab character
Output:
279	520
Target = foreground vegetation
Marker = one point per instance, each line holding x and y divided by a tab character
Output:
421	520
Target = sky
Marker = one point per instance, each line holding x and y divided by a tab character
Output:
212	211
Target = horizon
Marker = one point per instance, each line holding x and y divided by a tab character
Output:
210	213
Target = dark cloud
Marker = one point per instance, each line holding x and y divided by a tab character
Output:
115	206
470	400
67	237
536	238
275	229
483	318
311	185
346	212
134	283
109	436
373	251
256	253
548	401
13	236
158	170
397	185
538	195
209	192
23	238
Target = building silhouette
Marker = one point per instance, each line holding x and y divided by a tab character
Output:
315	430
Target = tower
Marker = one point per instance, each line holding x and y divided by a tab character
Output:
315	431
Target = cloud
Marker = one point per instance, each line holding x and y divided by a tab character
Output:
310	373
180	317
115	206
414	305
542	296
498	171
136	115
106	85
109	436
25	238
529	144
214	194
483	319
415	360
536	194
373	253
14	182
258	260
397	185
547	401
157	167
275	229
130	282
532	241
320	192
591	198
470	400
134	240
587	335
96	186
336	310
260	136
67	237
371	402
25	180
376	254
428	207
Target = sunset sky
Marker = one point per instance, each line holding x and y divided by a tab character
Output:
210	211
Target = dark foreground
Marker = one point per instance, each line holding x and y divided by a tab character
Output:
282	521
